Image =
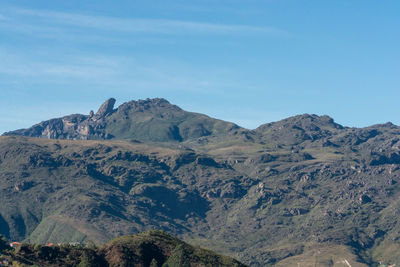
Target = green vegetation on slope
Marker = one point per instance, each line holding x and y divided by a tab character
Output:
304	189
152	248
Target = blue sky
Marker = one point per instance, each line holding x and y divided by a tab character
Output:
248	61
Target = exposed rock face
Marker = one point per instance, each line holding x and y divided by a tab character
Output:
146	120
106	109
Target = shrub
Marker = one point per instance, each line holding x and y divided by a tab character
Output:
3	244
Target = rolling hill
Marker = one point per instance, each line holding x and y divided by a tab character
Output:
151	248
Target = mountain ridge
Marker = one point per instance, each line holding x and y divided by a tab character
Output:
94	125
276	195
149	120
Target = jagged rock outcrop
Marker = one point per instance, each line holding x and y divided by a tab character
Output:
147	120
73	127
105	109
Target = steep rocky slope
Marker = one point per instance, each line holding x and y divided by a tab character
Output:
304	190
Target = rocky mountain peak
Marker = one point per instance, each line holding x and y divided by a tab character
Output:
106	108
309	122
149	104
155	101
147	120
297	129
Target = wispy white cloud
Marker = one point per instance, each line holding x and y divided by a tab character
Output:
79	68
56	32
135	25
151	74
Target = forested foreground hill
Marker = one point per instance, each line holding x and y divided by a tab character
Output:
302	191
152	248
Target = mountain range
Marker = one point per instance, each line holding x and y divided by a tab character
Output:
303	191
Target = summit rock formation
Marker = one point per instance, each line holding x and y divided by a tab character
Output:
144	120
